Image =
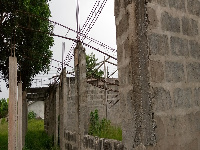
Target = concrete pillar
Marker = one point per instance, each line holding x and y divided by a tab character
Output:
19	137
80	80
12	106
56	117
24	117
62	108
134	89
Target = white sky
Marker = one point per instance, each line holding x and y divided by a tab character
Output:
64	12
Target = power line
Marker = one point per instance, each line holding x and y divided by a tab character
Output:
89	28
52	34
70	29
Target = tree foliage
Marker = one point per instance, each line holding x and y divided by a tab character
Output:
91	67
18	29
3	108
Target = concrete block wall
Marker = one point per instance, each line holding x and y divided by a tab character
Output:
50	112
174	50
158	62
76	99
71	136
71	139
96	143
72	114
96	100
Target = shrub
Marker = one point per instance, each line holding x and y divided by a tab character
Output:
31	115
103	128
3	108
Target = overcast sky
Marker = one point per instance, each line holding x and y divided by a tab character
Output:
64	12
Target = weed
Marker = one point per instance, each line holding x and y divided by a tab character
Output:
103	128
31	115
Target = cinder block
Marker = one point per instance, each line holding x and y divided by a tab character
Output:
197	96
170	23
179	47
194	48
182	97
162	99
158	44
193	7
156	71
177	4
153	20
189	26
163	3
193	72
107	145
174	72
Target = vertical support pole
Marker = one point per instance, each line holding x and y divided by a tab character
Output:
57	116
133	70
12	109
19	116
81	82
62	109
105	87
24	117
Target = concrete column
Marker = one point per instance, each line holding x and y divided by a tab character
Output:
57	116
19	138
134	89
62	109
24	117
12	106
81	82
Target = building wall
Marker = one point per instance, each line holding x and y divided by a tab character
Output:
158	62
38	108
174	44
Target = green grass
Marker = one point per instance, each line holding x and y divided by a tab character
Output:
36	138
103	128
110	132
3	136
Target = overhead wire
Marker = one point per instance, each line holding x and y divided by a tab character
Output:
52	34
69	29
89	28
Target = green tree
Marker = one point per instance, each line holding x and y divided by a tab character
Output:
3	108
19	27
91	67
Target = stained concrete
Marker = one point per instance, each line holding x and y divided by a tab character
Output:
12	105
